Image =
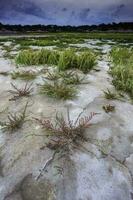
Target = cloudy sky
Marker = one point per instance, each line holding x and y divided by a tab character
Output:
64	12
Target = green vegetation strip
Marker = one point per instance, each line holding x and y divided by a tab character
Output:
122	70
64	60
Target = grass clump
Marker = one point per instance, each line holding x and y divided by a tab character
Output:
27	57
38	57
86	61
71	78
68	60
52	76
110	95
20	92
121	56
122	70
53	58
58	90
65	60
25	75
15	121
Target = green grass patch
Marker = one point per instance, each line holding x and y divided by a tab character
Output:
64	60
122	70
24	75
71	78
68	60
40	57
86	61
121	56
58	90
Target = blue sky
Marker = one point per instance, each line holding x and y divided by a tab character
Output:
65	12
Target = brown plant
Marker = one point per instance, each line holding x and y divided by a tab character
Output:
20	92
15	121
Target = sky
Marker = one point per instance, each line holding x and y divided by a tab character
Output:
65	12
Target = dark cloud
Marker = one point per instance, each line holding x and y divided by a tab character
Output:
65	11
117	11
30	9
84	14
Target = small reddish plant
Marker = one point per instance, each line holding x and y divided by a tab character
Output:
20	92
15	121
66	132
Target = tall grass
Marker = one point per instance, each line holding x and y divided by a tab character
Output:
122	70
86	61
53	58
40	57
27	57
121	56
67	59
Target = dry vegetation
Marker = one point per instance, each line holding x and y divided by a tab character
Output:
15	121
17	93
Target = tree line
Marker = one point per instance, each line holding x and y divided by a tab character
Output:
123	26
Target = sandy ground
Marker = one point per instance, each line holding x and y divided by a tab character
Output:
86	175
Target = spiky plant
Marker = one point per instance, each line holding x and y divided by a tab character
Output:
17	93
67	132
53	76
15	121
110	95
